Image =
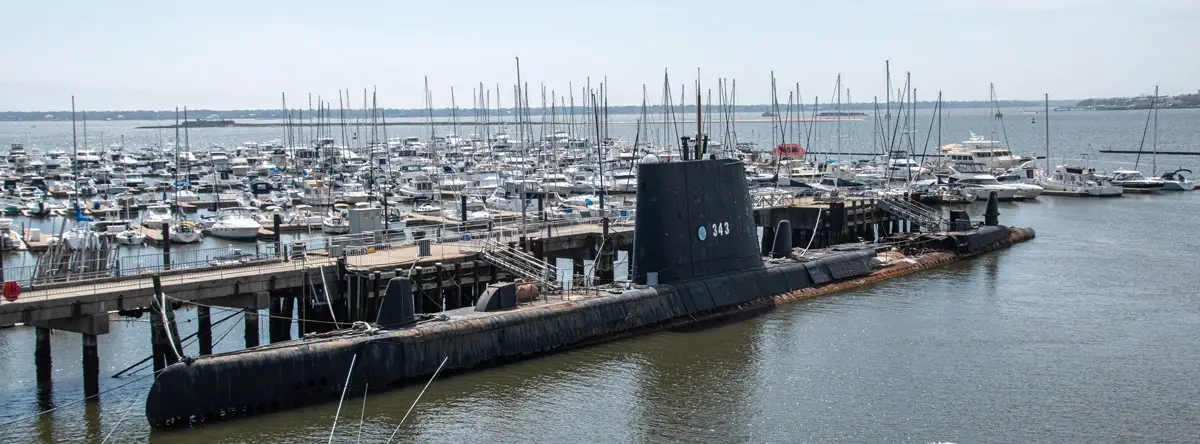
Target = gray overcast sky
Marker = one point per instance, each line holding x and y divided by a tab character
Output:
217	54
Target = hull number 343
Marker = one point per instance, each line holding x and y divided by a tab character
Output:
716	229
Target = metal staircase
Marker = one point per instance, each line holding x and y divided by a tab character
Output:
927	217
520	264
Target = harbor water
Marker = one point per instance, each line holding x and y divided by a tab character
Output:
1088	333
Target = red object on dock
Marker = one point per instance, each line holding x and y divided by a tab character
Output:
11	290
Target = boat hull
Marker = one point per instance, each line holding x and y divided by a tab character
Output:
245	234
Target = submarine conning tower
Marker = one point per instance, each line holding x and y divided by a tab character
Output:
693	220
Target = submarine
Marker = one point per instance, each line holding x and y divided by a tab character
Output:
696	257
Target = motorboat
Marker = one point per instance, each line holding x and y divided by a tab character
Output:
622	180
974	177
233	256
335	223
1079	181
428	210
1134	182
556	183
156	215
186	195
418	187
1176	181
354	193
976	149
130	237
236	223
1022	179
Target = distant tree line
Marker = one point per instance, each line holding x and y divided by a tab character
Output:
467	114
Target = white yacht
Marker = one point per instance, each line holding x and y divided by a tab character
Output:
186	195
556	183
622	180
130	237
1078	181
976	149
975	178
156	215
239	166
1135	182
354	193
134	180
1023	179
1176	181
237	223
419	187
335	223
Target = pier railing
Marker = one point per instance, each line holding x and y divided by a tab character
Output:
125	268
399	246
914	211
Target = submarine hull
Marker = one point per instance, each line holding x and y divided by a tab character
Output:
301	372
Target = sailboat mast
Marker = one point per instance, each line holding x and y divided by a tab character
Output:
75	149
1046	107
1154	144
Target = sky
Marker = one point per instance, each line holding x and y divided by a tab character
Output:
217	54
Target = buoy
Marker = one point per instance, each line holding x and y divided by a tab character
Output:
11	290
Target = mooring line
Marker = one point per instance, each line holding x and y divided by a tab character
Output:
414	404
345	388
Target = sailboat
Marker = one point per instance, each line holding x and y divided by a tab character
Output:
182	231
1069	180
1133	180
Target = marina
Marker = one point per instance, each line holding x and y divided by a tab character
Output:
350	255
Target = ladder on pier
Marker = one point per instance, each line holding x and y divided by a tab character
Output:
520	264
927	217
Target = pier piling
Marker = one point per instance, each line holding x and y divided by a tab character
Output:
41	355
166	246
278	236
251	327
91	367
158	338
204	330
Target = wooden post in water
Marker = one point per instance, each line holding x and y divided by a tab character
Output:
204	330
278	236
162	323
41	356
91	368
251	327
166	246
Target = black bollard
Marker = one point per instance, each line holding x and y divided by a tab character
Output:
463	208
